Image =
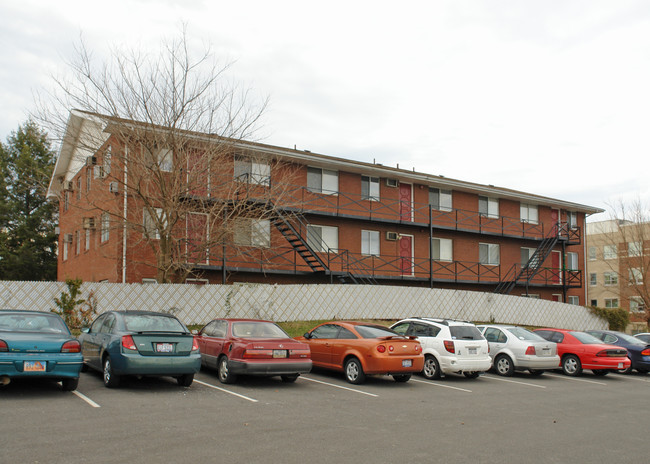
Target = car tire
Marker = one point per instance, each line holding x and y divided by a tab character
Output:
354	372
224	374
535	372
111	380
431	369
289	378
600	372
69	384
185	380
571	365
402	378
471	375
504	366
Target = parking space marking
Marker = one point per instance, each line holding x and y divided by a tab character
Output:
86	399
252	400
338	386
428	382
628	377
490	377
576	380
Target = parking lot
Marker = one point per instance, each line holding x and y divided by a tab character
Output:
323	419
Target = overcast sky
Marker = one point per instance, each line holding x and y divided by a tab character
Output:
550	97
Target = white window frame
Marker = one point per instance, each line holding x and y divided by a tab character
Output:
105	227
323	238
322	181
65	249
572	219
573	299
491	251
252	171
370	243
149	225
610	278
634	249
611	303
441	199
610	252
593	253
77	242
635	276
442	249
87	247
488	207
636	304
253	232
108	154
371	184
529	213
572	261
529	253
593	279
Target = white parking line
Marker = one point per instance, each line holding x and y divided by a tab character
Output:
338	386
429	382
576	380
638	379
86	399
252	400
490	377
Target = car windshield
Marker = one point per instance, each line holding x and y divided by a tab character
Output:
257	329
465	332
586	338
152	323
373	331
631	340
525	334
32	323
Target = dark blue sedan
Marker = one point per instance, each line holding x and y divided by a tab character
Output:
140	343
38	344
637	350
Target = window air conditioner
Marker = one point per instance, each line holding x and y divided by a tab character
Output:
89	223
392	182
67	238
91	160
392	236
113	187
68	186
98	172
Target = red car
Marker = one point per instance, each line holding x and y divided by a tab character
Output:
579	350
359	348
251	347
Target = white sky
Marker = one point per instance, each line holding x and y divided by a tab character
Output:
550	97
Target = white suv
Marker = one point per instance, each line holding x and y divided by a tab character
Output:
449	346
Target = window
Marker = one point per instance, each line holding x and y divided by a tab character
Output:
370	242
107	161
253	232
105	227
488	207
611	302
593	279
148	280
87	247
370	188
611	278
322	181
636	276
592	253
79	188
441	249
65	249
572	299
77	242
66	200
572	219
440	199
89	177
488	253
323	238
610	252
572	261
526	254
634	249
153	224
529	213
252	171
494	335
594	303
636	304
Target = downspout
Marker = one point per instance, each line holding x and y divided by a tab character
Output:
124	216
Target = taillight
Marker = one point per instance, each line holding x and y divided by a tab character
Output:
531	351
381	348
610	354
417	347
645	352
248	354
71	346
195	344
299	353
3	346
128	343
449	346
391	348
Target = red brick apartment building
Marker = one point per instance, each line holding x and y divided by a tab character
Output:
334	220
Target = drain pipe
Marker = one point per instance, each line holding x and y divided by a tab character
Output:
124	217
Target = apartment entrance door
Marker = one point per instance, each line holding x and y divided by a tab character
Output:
406	254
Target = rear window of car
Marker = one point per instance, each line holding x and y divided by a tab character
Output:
465	332
373	331
152	323
32	323
587	339
256	329
523	334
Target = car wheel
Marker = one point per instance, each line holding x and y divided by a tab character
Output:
69	384
600	372
289	378
111	379
471	375
402	378
431	368
571	365
504	366
185	380
535	372
354	372
224	374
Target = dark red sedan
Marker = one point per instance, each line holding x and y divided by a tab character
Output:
252	347
579	350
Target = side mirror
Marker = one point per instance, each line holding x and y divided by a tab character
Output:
307	335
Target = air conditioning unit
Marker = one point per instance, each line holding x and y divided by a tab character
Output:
98	172
392	236
113	187
89	223
68	186
67	238
392	182
91	160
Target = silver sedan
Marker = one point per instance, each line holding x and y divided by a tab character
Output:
515	348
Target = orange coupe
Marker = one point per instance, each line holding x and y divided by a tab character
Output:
359	348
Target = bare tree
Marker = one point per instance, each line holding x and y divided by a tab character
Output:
165	132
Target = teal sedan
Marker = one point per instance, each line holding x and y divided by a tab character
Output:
36	344
140	343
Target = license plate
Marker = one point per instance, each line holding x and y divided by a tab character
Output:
34	366
407	362
279	353
472	350
164	347
620	366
